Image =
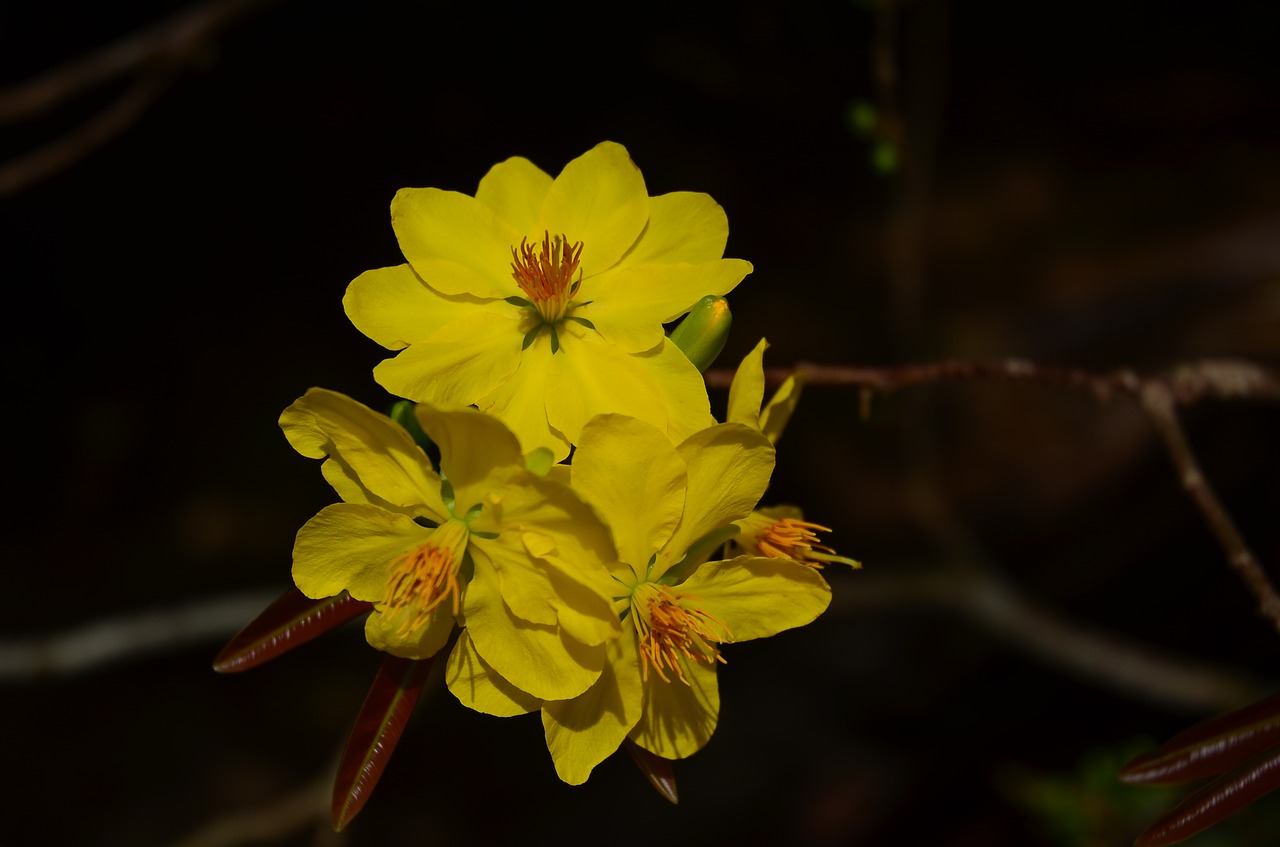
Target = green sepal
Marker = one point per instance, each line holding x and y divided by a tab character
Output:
588	324
529	336
403	414
519	301
703	332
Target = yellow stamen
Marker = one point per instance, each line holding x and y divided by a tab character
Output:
546	275
671	627
426	576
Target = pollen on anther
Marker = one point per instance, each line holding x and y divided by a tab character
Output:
419	582
546	275
673	628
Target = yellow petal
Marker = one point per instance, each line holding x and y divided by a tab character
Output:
457	244
515	189
375	452
774	417
383	632
538	659
678	719
478	687
521	402
351	546
477	452
395	308
684	226
729	466
641	509
755	597
583	732
746	392
599	199
683	387
629	305
458	364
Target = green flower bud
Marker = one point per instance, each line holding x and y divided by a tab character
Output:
703	332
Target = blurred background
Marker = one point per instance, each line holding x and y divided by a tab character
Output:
1083	184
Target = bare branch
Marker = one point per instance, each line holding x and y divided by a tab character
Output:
290	813
122	638
155	54
1098	657
1158	401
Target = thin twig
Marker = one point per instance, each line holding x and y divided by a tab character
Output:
105	642
1158	401
153	54
1104	658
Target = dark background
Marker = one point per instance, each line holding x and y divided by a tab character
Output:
1088	184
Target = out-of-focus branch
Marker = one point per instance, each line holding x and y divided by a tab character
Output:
99	644
290	813
1098	657
153	54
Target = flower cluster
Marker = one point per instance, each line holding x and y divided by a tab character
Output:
531	324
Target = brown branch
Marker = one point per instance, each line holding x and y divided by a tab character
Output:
1223	379
1104	658
1159	403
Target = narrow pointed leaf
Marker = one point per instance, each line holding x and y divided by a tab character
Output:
292	620
1217	800
377	731
655	769
1209	748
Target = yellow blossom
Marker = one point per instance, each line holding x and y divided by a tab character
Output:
542	301
781	532
659	685
516	557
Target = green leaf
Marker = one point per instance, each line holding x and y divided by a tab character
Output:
379	725
292	620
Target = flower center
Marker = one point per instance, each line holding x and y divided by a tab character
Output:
791	538
546	275
670	630
423	578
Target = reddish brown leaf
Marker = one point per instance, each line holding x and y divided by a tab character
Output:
1217	800
292	620
381	721
655	769
1209	748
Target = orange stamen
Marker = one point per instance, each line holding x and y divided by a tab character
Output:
424	578
546	275
789	538
670	630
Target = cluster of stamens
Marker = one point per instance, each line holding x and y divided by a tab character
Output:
670	632
546	275
795	539
421	580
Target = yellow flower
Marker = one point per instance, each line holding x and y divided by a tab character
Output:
659	686
780	532
542	301
516	557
